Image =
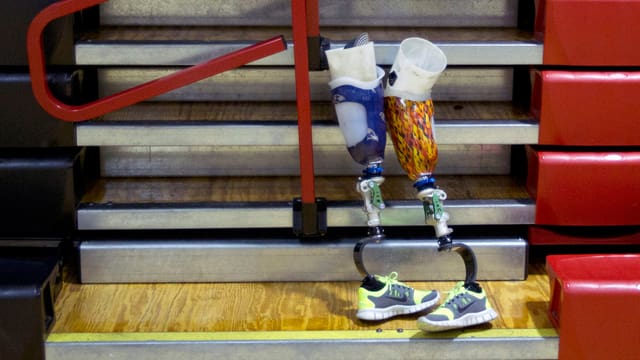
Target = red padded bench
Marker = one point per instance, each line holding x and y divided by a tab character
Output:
589	32
584	188
595	305
586	107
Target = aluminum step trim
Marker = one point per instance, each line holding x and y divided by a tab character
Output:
486	13
279	215
278	84
242	260
283	345
175	133
144	53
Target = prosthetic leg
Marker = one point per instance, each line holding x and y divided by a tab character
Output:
409	112
356	88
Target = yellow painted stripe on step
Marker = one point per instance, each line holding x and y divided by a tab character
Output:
295	335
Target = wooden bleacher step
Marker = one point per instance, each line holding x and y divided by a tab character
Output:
198	203
264	205
285	320
274	124
181	46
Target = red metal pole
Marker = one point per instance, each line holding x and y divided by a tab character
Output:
313	18
303	99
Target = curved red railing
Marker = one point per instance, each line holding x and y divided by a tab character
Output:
74	113
305	23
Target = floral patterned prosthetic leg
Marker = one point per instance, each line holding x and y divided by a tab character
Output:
410	125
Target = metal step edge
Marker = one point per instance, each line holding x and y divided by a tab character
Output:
175	133
242	260
141	53
280	215
283	345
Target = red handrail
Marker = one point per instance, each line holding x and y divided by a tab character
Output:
74	113
305	22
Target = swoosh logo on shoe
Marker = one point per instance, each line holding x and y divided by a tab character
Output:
462	308
402	298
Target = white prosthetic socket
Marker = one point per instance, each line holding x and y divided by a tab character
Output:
358	62
415	70
356	88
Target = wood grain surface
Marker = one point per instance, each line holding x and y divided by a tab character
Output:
212	307
179	34
321	112
283	188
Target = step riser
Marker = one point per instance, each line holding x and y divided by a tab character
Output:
267	84
175	133
279	215
290	260
283	160
178	54
482	13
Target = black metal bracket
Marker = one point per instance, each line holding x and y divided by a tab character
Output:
310	219
317	57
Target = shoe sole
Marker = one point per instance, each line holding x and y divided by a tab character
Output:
467	320
395	310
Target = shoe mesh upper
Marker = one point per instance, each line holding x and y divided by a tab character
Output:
392	294
460	302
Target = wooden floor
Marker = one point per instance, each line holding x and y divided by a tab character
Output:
226	307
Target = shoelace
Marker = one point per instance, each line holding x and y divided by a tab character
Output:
392	278
394	284
457	291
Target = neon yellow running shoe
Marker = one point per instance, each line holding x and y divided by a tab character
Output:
382	297
463	307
